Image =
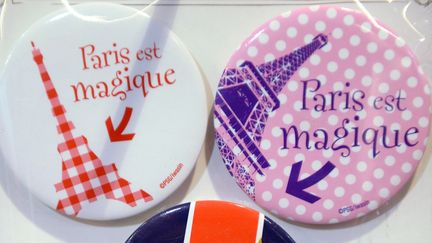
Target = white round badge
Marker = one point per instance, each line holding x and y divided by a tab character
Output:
103	111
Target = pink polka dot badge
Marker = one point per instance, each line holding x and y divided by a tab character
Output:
322	115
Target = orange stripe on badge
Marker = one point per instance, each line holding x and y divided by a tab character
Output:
223	222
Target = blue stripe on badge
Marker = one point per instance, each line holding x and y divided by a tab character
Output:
168	226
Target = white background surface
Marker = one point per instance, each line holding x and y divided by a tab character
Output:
212	33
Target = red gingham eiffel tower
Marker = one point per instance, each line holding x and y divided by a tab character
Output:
84	177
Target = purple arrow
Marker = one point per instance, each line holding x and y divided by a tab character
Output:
296	187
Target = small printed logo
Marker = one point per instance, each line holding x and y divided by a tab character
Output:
349	209
171	177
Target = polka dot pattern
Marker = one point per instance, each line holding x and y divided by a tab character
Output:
359	57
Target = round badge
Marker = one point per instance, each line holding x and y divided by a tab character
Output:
96	104
322	115
210	221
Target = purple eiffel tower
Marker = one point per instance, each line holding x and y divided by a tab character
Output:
244	99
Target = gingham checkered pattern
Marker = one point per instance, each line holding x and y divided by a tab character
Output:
84	177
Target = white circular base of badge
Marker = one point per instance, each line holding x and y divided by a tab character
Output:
210	221
103	111
322	115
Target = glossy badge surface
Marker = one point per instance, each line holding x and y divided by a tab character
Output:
96	103
322	115
210	221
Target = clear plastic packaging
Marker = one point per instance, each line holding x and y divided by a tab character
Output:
212	30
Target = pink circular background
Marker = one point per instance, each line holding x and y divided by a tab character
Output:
374	60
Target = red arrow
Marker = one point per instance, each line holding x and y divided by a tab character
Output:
116	135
